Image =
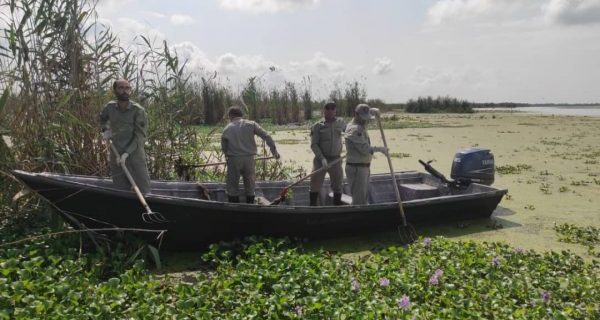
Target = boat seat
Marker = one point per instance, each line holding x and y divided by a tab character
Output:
410	191
346	199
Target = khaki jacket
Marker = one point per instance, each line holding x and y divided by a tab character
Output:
358	144
326	138
128	126
238	138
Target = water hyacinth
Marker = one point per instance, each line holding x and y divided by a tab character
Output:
519	250
404	302
545	295
355	285
434	280
298	311
495	262
384	282
427	242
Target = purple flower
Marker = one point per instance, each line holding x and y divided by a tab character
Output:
495	262
384	282
404	302
546	296
298	310
426	242
355	285
519	250
434	280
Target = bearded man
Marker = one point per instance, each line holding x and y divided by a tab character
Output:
124	124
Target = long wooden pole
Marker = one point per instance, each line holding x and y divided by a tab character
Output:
389	159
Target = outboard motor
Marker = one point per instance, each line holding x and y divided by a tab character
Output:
469	165
473	165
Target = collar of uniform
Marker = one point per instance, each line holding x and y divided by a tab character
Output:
126	108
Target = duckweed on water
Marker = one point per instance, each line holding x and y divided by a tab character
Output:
433	278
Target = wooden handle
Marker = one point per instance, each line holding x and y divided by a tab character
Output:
389	159
329	165
130	178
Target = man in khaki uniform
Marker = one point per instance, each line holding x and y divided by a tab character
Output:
124	122
326	143
359	153
239	148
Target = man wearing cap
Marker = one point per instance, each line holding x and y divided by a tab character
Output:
359	153
124	124
239	148
326	144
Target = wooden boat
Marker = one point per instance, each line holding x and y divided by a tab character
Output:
192	221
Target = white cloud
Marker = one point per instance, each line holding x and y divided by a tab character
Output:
460	82
318	64
483	11
113	4
157	15
572	12
181	19
383	66
130	28
196	59
231	64
266	6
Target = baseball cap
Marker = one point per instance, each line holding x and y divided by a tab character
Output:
330	105
363	111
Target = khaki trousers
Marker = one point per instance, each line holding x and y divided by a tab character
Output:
243	166
136	165
336	175
358	180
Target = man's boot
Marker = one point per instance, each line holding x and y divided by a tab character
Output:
250	199
313	198
337	199
234	199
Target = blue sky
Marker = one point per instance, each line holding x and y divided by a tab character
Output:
479	50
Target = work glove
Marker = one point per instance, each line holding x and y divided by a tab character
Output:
383	150
123	157
106	134
374	112
324	163
276	154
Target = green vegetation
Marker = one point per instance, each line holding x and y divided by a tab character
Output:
588	236
431	279
510	169
439	104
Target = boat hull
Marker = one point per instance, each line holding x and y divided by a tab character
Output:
194	222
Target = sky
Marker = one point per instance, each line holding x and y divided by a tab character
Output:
527	51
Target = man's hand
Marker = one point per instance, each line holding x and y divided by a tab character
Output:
324	163
106	134
374	112
383	150
123	157
276	155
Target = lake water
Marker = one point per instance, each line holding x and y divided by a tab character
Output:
591	111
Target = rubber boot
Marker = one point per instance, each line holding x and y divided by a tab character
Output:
337	199
313	198
250	199
234	199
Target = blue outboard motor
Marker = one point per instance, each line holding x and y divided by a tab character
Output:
473	165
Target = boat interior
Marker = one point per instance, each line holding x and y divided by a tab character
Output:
413	185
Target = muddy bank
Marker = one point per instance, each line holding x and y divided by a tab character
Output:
550	165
